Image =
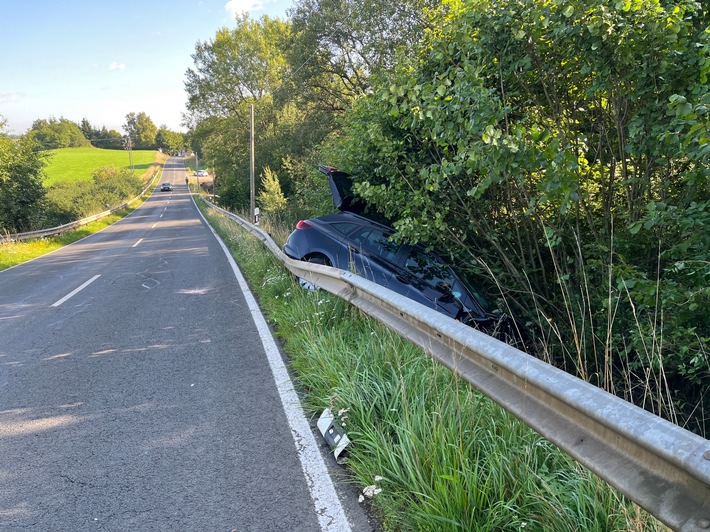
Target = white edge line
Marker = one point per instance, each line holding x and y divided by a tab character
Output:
329	510
76	291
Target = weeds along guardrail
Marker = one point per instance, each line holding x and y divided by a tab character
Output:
52	231
662	467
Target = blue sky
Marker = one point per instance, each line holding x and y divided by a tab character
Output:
101	60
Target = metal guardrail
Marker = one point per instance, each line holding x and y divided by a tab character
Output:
52	231
660	466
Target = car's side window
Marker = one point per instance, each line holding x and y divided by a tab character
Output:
427	268
344	228
377	242
360	236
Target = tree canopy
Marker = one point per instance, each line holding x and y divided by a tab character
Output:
52	134
21	190
141	130
101	138
556	150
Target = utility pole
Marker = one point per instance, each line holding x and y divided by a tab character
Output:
251	165
214	183
128	145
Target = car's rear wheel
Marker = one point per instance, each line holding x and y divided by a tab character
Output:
319	259
314	259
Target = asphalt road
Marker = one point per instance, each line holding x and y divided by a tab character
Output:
137	393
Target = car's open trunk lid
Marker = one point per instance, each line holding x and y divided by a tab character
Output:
341	188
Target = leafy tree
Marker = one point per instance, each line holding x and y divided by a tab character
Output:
239	67
169	141
21	190
271	199
52	134
556	150
141	130
337	44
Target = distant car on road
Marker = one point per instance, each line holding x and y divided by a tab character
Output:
201	173
350	241
166	187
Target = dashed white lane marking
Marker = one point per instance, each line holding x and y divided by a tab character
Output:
136	244
76	291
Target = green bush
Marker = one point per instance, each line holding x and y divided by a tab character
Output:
68	201
559	151
21	191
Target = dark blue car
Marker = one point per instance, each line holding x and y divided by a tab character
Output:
350	241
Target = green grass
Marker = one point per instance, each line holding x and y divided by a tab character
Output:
77	164
73	164
444	457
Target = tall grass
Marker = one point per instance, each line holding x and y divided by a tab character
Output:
439	455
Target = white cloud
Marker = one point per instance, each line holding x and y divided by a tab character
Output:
117	66
9	97
237	7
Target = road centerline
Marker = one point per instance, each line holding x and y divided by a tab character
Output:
76	291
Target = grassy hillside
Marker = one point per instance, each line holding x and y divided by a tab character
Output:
77	164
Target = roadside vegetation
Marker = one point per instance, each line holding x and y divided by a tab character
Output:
79	190
52	175
554	150
428	451
14	253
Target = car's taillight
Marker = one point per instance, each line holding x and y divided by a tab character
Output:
303	224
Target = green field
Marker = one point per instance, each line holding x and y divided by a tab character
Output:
78	164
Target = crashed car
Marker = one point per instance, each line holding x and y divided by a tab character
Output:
352	241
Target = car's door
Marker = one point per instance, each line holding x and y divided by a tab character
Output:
432	280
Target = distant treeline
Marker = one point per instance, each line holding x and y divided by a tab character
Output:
141	133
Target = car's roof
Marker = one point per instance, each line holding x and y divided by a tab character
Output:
347	216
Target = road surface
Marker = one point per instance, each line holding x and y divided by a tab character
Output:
137	391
